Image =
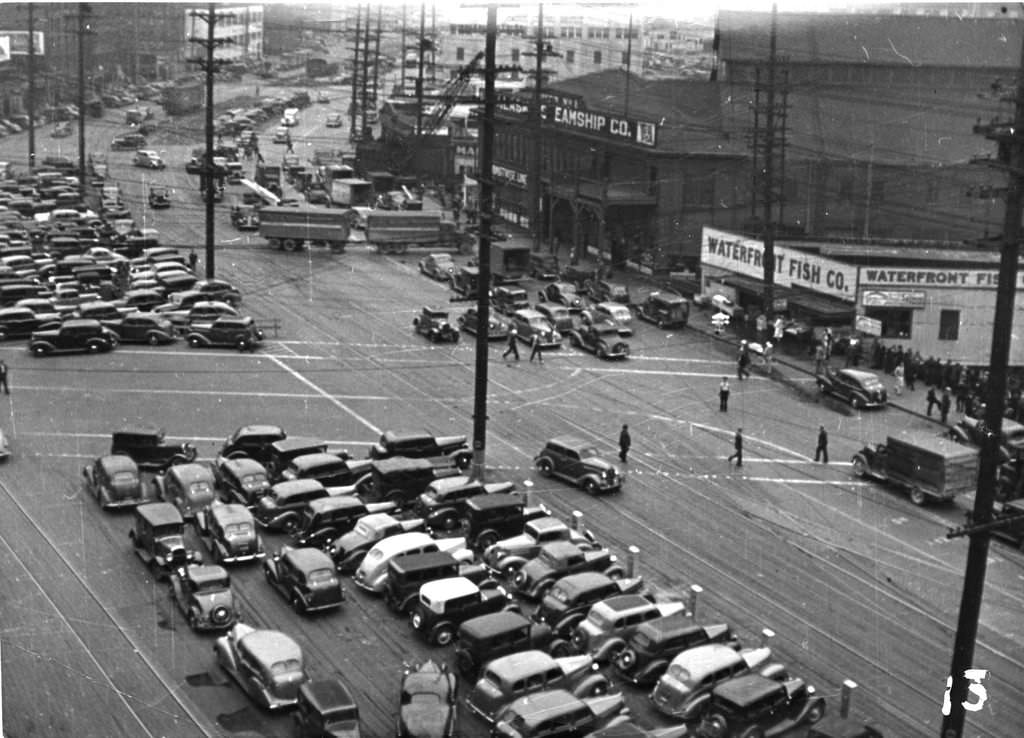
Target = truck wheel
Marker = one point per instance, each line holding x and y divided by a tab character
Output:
860	468
274	243
917	496
290	244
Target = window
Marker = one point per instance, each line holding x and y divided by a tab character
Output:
515	56
597	57
570	56
949	325
460	54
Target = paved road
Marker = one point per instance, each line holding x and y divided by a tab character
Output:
856	581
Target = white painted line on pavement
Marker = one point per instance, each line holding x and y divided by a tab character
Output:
326	395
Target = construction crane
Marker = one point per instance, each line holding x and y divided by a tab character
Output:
453	93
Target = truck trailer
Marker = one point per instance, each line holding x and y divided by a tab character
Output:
930	467
290	228
349	192
396	231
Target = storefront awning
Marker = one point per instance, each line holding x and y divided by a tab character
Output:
821	307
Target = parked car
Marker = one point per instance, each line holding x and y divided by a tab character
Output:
331	470
427	702
469	321
148	159
22	322
559	316
560	559
603	290
563	293
159	198
240	333
437	266
80	335
557	712
506	556
422	445
148	447
349	549
326	709
434	324
511	677
565	605
114	481
488	518
228	532
333	120
578	462
324	520
543	266
281	508
280	454
615	312
149	328
655	643
158	538
242	480
252	441
406	574
487	637
507	299
189	487
601	338
756	705
445	604
372	572
858	387
684	690
127	141
267	664
527	323
443	503
611	622
204	596
973	431
218	290
306	578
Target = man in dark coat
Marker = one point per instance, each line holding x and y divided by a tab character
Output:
624	443
821	452
932	399
512	347
723	395
945	404
737	443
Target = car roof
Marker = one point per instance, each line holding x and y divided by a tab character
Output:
81	323
296	486
445	484
114	463
859	374
537	705
495	622
546	523
192	472
227	513
159	513
701	660
429	560
243	464
491	501
570	441
326	694
206	573
402	542
340	502
528	314
319	459
391	436
271	646
522	663
560	548
291	443
396	464
666	297
309	558
747	689
621	603
451	588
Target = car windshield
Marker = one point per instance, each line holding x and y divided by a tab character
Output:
212	585
238	530
364	529
173	541
420	698
600	620
375	554
254	481
321	577
200	488
539	324
587	452
560	594
287	666
680	673
124	477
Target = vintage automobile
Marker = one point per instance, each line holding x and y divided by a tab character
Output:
466	282
469	321
427	702
507	555
147	159
655	643
406	574
114	481
434	324
558	712
228	532
219	291
189	487
438	266
199	311
79	335
127	141
444	604
148	447
245	217
240	333
601	338
279	454
543	266
331	470
611	622
560	559
267	664
858	387
333	120
281	508
443	503
252	441
325	709
497	634
203	594
306	578
159	198
22	322
144	299
488	518
603	290
421	445
507	299
158	538
349	550
372	572
723	304
684	690
618	314
562	293
151	328
281	135
570	599
507	678
753	705
1013	531
972	432
528	322
578	462
241	479
558	316
324	520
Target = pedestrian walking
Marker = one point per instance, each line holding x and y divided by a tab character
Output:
743	362
768	356
535	349
898	373
780	328
944	405
512	348
3	378
737	443
192	260
821	452
624	443
819	358
761	324
723	395
932	400
826	340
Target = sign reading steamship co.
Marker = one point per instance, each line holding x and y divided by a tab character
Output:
616	127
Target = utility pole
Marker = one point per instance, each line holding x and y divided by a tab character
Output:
1011	160
84	29
366	73
486	214
353	133
209	65
401	60
535	192
376	63
419	73
629	59
32	89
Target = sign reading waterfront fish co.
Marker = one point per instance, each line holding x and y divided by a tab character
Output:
881	277
603	124
792	268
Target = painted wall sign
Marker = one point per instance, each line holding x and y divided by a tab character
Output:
510	175
611	126
913	299
928	277
793	268
868	326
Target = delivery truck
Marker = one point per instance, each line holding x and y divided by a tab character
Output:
348	192
930	467
510	262
291	228
396	231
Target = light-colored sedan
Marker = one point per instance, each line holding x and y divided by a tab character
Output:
617	313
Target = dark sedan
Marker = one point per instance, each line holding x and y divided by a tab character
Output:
469	321
21	322
148	328
564	293
859	388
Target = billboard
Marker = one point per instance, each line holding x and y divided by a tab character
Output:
17	43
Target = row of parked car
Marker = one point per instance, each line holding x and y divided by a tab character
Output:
544	619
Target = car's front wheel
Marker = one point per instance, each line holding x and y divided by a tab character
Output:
590	487
443	634
816	713
154	339
194	342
